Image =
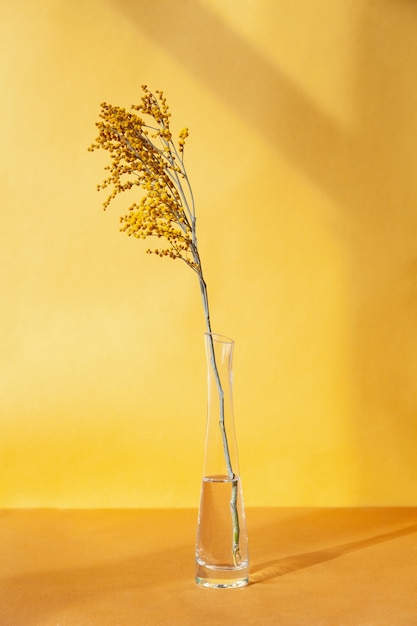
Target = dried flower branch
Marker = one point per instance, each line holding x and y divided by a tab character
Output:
144	155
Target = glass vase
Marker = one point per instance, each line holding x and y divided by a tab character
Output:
222	542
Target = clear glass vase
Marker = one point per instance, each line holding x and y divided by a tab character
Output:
222	541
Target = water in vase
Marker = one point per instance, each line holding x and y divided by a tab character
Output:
221	549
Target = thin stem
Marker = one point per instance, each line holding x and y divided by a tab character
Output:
175	178
222	426
184	172
220	391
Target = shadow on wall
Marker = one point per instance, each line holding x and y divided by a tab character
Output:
367	170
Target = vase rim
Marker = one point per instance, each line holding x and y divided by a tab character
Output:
220	338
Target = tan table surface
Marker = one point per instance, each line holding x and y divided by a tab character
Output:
315	567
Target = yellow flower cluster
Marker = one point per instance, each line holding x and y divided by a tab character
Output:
143	154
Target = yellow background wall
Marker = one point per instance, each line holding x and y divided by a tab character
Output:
303	150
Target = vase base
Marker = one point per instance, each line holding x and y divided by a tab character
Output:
221	577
